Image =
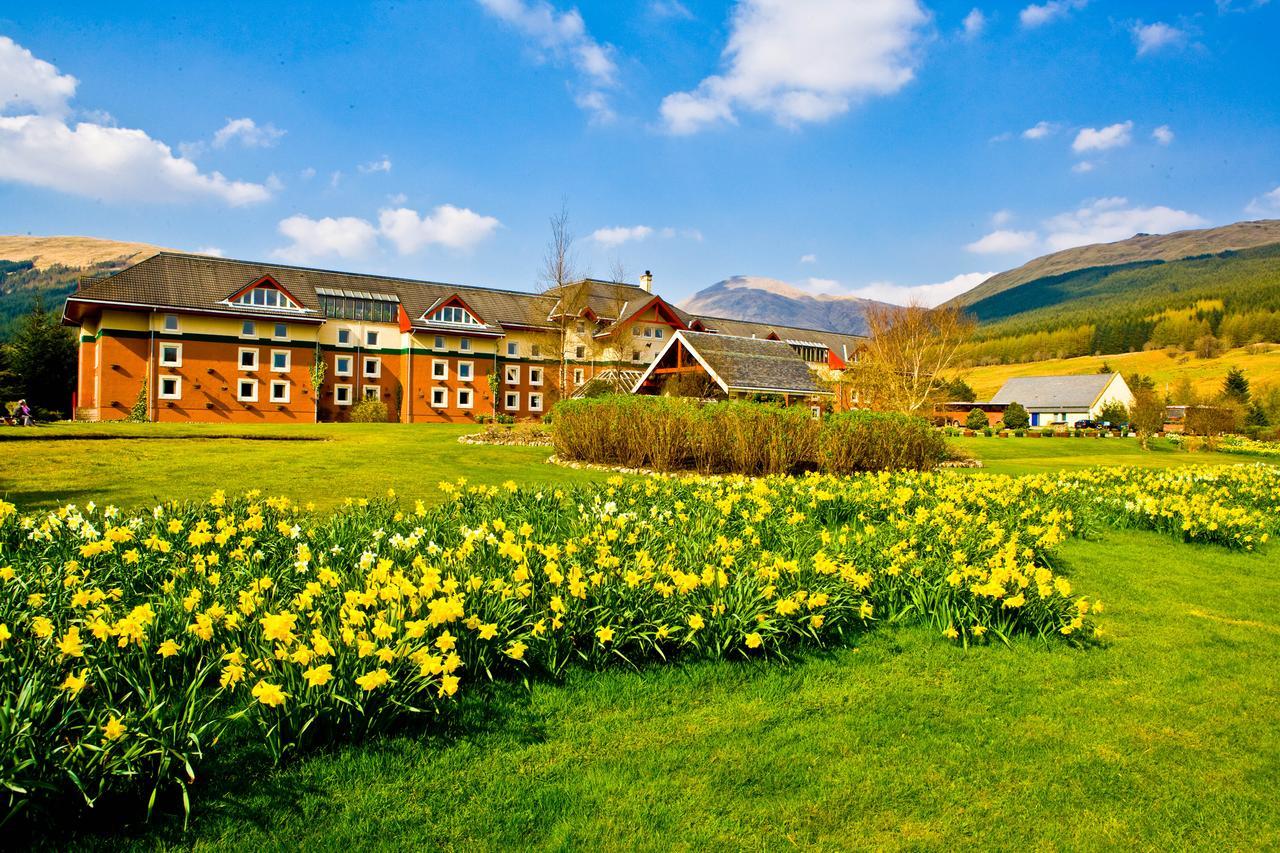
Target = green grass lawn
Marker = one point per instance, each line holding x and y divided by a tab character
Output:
1035	455
1168	737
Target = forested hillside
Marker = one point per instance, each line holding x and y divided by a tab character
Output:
1202	304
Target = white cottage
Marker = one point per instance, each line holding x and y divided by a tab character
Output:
1065	399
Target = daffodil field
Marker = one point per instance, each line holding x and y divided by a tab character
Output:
134	645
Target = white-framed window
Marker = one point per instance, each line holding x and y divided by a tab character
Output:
454	314
344	337
635	355
279	391
511	400
248	358
579	376
342	395
582	327
280	331
171	355
511	374
248	329
372	392
439	343
343	365
281	360
635	331
170	388
535	351
535	402
513	348
372	367
439	398
171	322
439	368
247	390
464	344
466	371
648	333
264	297
657	333
535	375
371	337
465	398
579	352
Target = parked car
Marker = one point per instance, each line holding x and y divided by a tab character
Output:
1087	424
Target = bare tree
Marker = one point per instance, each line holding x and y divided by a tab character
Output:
559	263
909	349
617	269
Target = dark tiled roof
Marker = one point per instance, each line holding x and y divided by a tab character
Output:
842	345
200	283
752	364
1054	392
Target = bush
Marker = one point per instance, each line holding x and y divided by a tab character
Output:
368	412
977	419
669	433
1016	417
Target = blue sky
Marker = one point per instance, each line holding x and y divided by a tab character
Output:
889	148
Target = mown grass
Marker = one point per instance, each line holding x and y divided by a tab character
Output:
1166	737
1035	455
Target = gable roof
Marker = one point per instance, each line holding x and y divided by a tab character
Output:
743	364
842	345
1075	393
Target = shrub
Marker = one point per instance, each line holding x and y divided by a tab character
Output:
977	419
368	412
878	441
1016	417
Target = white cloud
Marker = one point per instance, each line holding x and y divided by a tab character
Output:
670	9
1225	6
446	225
1267	204
1001	217
307	173
1150	38
1037	15
248	133
974	23
808	259
1001	137
1162	134
344	237
32	83
1003	242
212	251
1106	220
1111	136
397	199
1039	130
382	165
91	159
922	294
804	61
335	178
564	37
1083	167
620	234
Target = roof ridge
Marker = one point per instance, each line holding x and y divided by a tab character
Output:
777	325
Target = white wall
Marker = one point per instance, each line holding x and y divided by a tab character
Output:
1117	390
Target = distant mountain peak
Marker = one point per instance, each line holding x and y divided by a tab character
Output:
769	300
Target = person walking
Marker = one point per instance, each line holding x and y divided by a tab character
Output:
24	413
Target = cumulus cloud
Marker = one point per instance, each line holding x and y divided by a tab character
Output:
1084	167
921	294
618	235
446	225
563	37
1111	136
974	23
212	251
97	160
1003	242
1037	15
310	239
803	61
1267	204
380	165
808	259
31	83
1039	130
248	133
1001	217
1151	38
1106	220
1162	134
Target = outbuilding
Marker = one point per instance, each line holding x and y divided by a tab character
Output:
1057	400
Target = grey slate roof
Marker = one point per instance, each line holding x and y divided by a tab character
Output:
842	345
1059	393
751	364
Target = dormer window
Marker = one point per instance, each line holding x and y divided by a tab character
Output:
264	296
454	315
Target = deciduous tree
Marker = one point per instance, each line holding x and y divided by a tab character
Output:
908	351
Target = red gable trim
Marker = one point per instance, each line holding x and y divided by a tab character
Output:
661	307
266	279
403	316
455	299
834	361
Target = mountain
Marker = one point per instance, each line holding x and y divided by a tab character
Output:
768	300
47	268
1140	247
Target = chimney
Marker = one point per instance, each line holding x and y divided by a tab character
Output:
646	282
